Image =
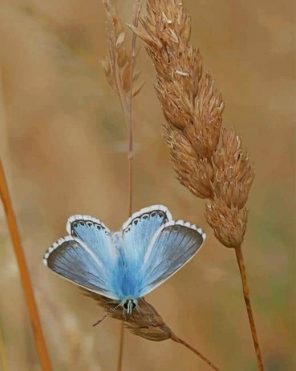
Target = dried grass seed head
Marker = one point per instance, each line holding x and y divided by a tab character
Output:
229	223
118	64
188	96
233	174
194	173
144	321
207	158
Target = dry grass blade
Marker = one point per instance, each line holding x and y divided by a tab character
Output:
24	274
209	159
145	322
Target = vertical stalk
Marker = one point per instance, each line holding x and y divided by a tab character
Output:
24	273
3	360
246	291
121	341
130	150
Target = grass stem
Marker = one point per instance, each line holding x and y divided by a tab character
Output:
3	359
24	273
246	291
121	341
195	351
130	150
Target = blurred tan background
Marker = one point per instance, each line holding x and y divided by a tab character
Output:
63	137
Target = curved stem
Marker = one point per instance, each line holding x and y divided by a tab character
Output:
24	273
246	291
188	346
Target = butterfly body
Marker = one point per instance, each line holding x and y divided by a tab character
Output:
129	305
128	264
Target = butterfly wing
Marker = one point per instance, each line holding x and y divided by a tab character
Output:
173	245
94	234
87	257
139	229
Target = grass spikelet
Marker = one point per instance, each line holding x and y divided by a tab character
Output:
209	159
120	60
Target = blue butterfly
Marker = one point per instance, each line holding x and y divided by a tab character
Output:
125	265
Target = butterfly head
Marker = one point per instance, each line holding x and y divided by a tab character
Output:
129	305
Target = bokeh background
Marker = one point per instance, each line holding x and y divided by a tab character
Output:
63	140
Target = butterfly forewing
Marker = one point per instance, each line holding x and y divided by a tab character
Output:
88	257
95	235
139	230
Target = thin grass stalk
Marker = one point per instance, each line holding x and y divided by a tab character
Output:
3	358
195	351
24	273
136	12
246	291
130	151
121	343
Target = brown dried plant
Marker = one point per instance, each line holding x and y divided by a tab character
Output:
25	278
208	158
120	61
145	322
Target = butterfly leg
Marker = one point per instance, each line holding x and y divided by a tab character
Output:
106	315
101	320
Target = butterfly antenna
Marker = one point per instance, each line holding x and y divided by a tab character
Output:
106	315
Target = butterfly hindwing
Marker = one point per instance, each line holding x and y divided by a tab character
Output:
173	245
